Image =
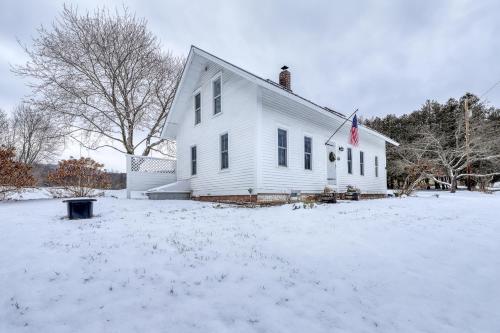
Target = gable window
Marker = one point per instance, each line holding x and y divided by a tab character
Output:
216	88
197	108
307	153
282	147
349	160
193	160
376	166
224	151
361	163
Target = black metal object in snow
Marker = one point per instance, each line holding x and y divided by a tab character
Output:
80	208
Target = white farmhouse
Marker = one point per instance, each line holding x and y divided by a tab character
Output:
241	137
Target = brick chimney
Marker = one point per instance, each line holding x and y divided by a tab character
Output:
285	78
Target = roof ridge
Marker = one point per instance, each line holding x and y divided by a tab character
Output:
274	84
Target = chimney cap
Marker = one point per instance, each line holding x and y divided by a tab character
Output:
285	67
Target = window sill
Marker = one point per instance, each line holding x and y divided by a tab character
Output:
216	114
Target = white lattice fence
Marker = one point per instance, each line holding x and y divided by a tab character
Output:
150	164
144	173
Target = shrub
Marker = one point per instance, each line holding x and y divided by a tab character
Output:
80	178
14	176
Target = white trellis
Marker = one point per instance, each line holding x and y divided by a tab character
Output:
144	172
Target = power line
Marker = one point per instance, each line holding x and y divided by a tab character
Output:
489	89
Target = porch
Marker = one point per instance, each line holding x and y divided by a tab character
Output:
156	176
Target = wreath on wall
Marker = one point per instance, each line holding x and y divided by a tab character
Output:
331	156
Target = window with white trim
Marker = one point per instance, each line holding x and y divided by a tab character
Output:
307	153
282	147
349	160
216	88
361	163
224	151
376	166
197	108
193	160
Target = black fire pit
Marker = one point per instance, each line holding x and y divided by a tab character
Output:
80	208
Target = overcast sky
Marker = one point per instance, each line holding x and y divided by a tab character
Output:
380	56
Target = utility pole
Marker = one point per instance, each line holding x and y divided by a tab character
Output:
467	130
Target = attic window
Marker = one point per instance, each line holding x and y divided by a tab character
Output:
216	87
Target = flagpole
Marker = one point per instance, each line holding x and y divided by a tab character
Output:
345	121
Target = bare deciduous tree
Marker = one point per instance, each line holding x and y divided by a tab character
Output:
106	76
34	135
4	129
414	164
455	157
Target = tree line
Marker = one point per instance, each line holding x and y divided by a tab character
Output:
450	143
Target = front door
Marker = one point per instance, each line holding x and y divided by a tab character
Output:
331	160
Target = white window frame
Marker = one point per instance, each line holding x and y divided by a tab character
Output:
212	98
349	162
195	93
220	152
310	153
361	163
193	160
283	128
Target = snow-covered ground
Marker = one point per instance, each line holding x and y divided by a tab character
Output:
420	264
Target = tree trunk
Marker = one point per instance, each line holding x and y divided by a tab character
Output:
453	184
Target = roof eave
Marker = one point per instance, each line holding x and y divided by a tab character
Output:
189	59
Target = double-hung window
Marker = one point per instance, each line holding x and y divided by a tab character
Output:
224	151
197	108
307	153
349	160
361	163
216	88
282	147
376	166
193	160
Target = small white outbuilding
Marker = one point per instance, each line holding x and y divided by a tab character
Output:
239	135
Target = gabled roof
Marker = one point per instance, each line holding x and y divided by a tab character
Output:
271	85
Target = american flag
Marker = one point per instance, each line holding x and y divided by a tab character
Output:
354	139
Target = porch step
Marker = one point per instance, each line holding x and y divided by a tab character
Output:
179	190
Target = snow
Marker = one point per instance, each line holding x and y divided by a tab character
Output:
419	264
35	193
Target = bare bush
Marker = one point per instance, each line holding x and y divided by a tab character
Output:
14	175
80	178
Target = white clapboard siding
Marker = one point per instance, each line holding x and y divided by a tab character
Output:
238	119
252	111
299	121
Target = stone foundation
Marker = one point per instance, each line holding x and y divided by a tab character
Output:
275	198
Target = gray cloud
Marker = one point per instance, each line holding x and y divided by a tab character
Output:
381	56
